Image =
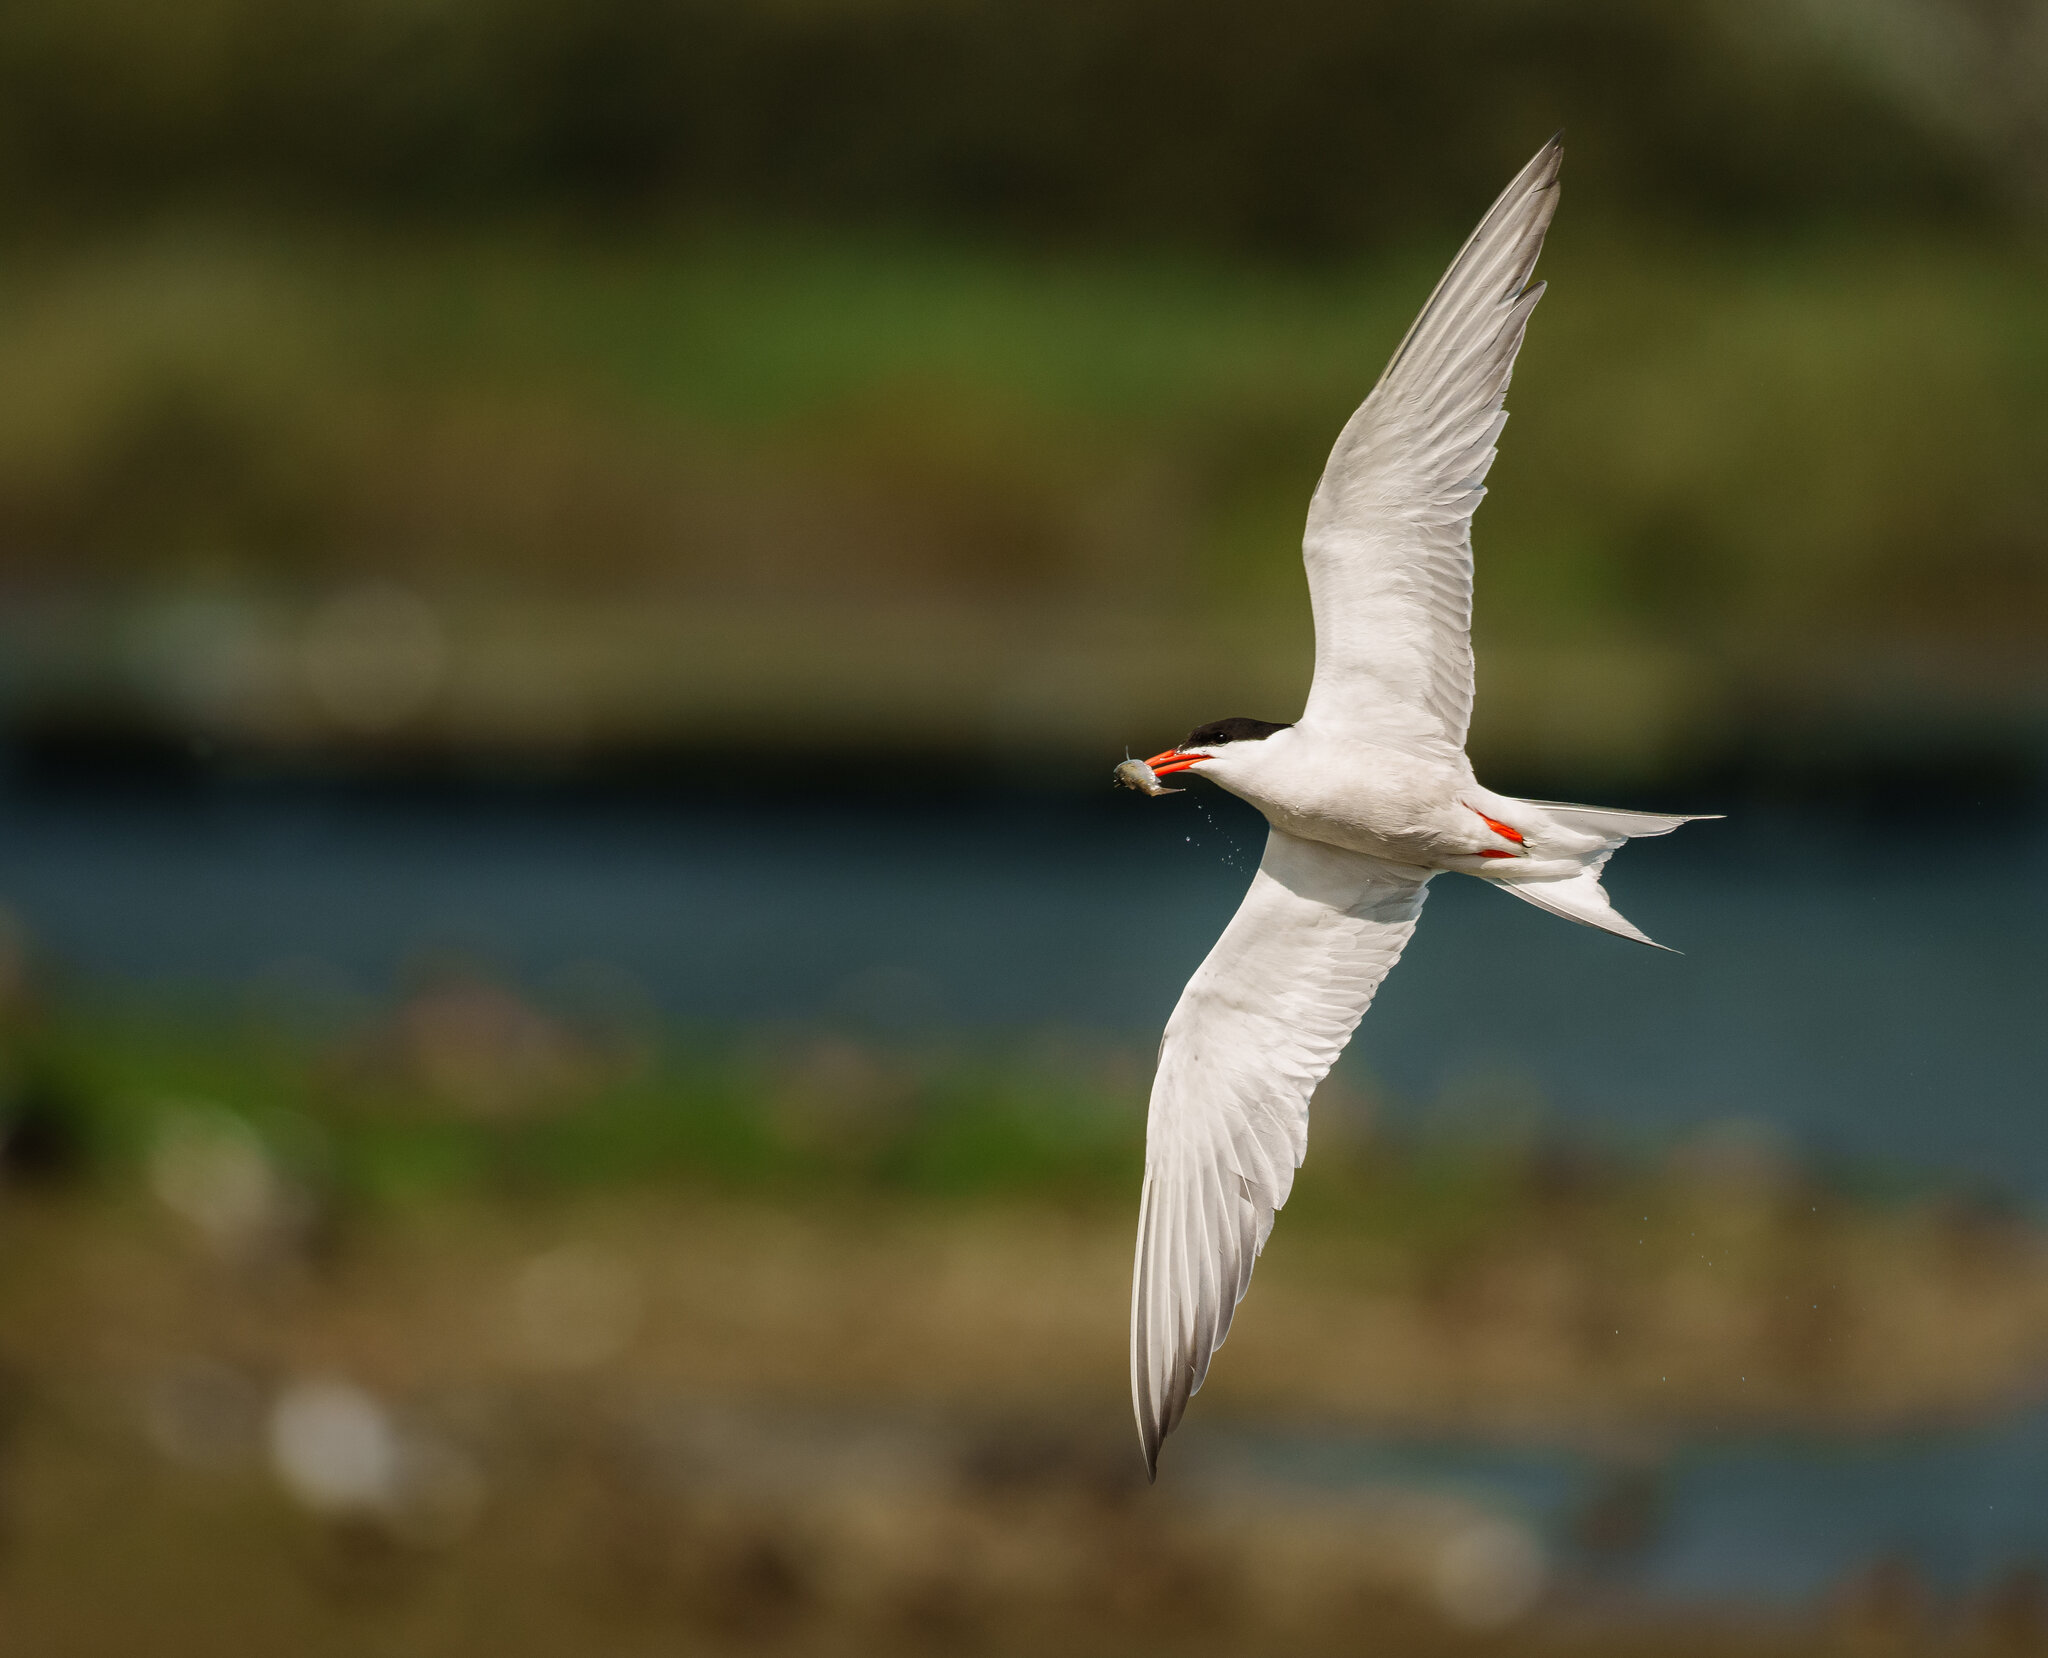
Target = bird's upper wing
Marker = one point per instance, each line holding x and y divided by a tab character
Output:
1389	540
1259	1025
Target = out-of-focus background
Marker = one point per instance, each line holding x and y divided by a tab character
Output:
575	1002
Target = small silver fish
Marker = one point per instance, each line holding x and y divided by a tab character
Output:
1135	774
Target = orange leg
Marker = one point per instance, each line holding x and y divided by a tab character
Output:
1506	831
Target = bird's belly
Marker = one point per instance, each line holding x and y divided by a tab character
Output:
1404	808
1381	835
1385	823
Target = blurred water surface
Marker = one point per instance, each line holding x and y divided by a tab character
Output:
1868	992
1784	1518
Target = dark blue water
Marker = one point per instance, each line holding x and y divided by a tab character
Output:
1877	995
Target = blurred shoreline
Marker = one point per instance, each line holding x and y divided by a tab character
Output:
1579	728
931	1216
846	1410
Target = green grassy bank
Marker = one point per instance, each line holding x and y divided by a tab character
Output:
800	480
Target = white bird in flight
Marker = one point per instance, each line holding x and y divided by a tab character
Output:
1369	796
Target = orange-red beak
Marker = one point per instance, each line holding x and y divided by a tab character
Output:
1172	760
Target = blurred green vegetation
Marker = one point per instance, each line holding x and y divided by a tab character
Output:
436	1104
1827	436
1752	470
467	1091
646	346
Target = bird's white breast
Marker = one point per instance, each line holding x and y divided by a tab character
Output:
1384	801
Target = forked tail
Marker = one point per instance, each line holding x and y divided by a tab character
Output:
1598	832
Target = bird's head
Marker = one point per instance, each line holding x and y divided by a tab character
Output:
1218	741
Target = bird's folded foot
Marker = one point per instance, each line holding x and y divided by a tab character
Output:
1506	831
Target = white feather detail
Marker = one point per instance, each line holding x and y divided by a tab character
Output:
1389	540
1258	1027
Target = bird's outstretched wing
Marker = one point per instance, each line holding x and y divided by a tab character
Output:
1389	540
1259	1025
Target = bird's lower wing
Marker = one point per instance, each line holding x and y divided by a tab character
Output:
1259	1025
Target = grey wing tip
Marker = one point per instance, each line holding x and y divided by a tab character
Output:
1544	172
1540	177
1151	1435
1158	1415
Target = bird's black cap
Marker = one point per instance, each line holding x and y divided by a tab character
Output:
1236	729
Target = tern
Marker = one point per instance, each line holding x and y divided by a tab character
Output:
1369	797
